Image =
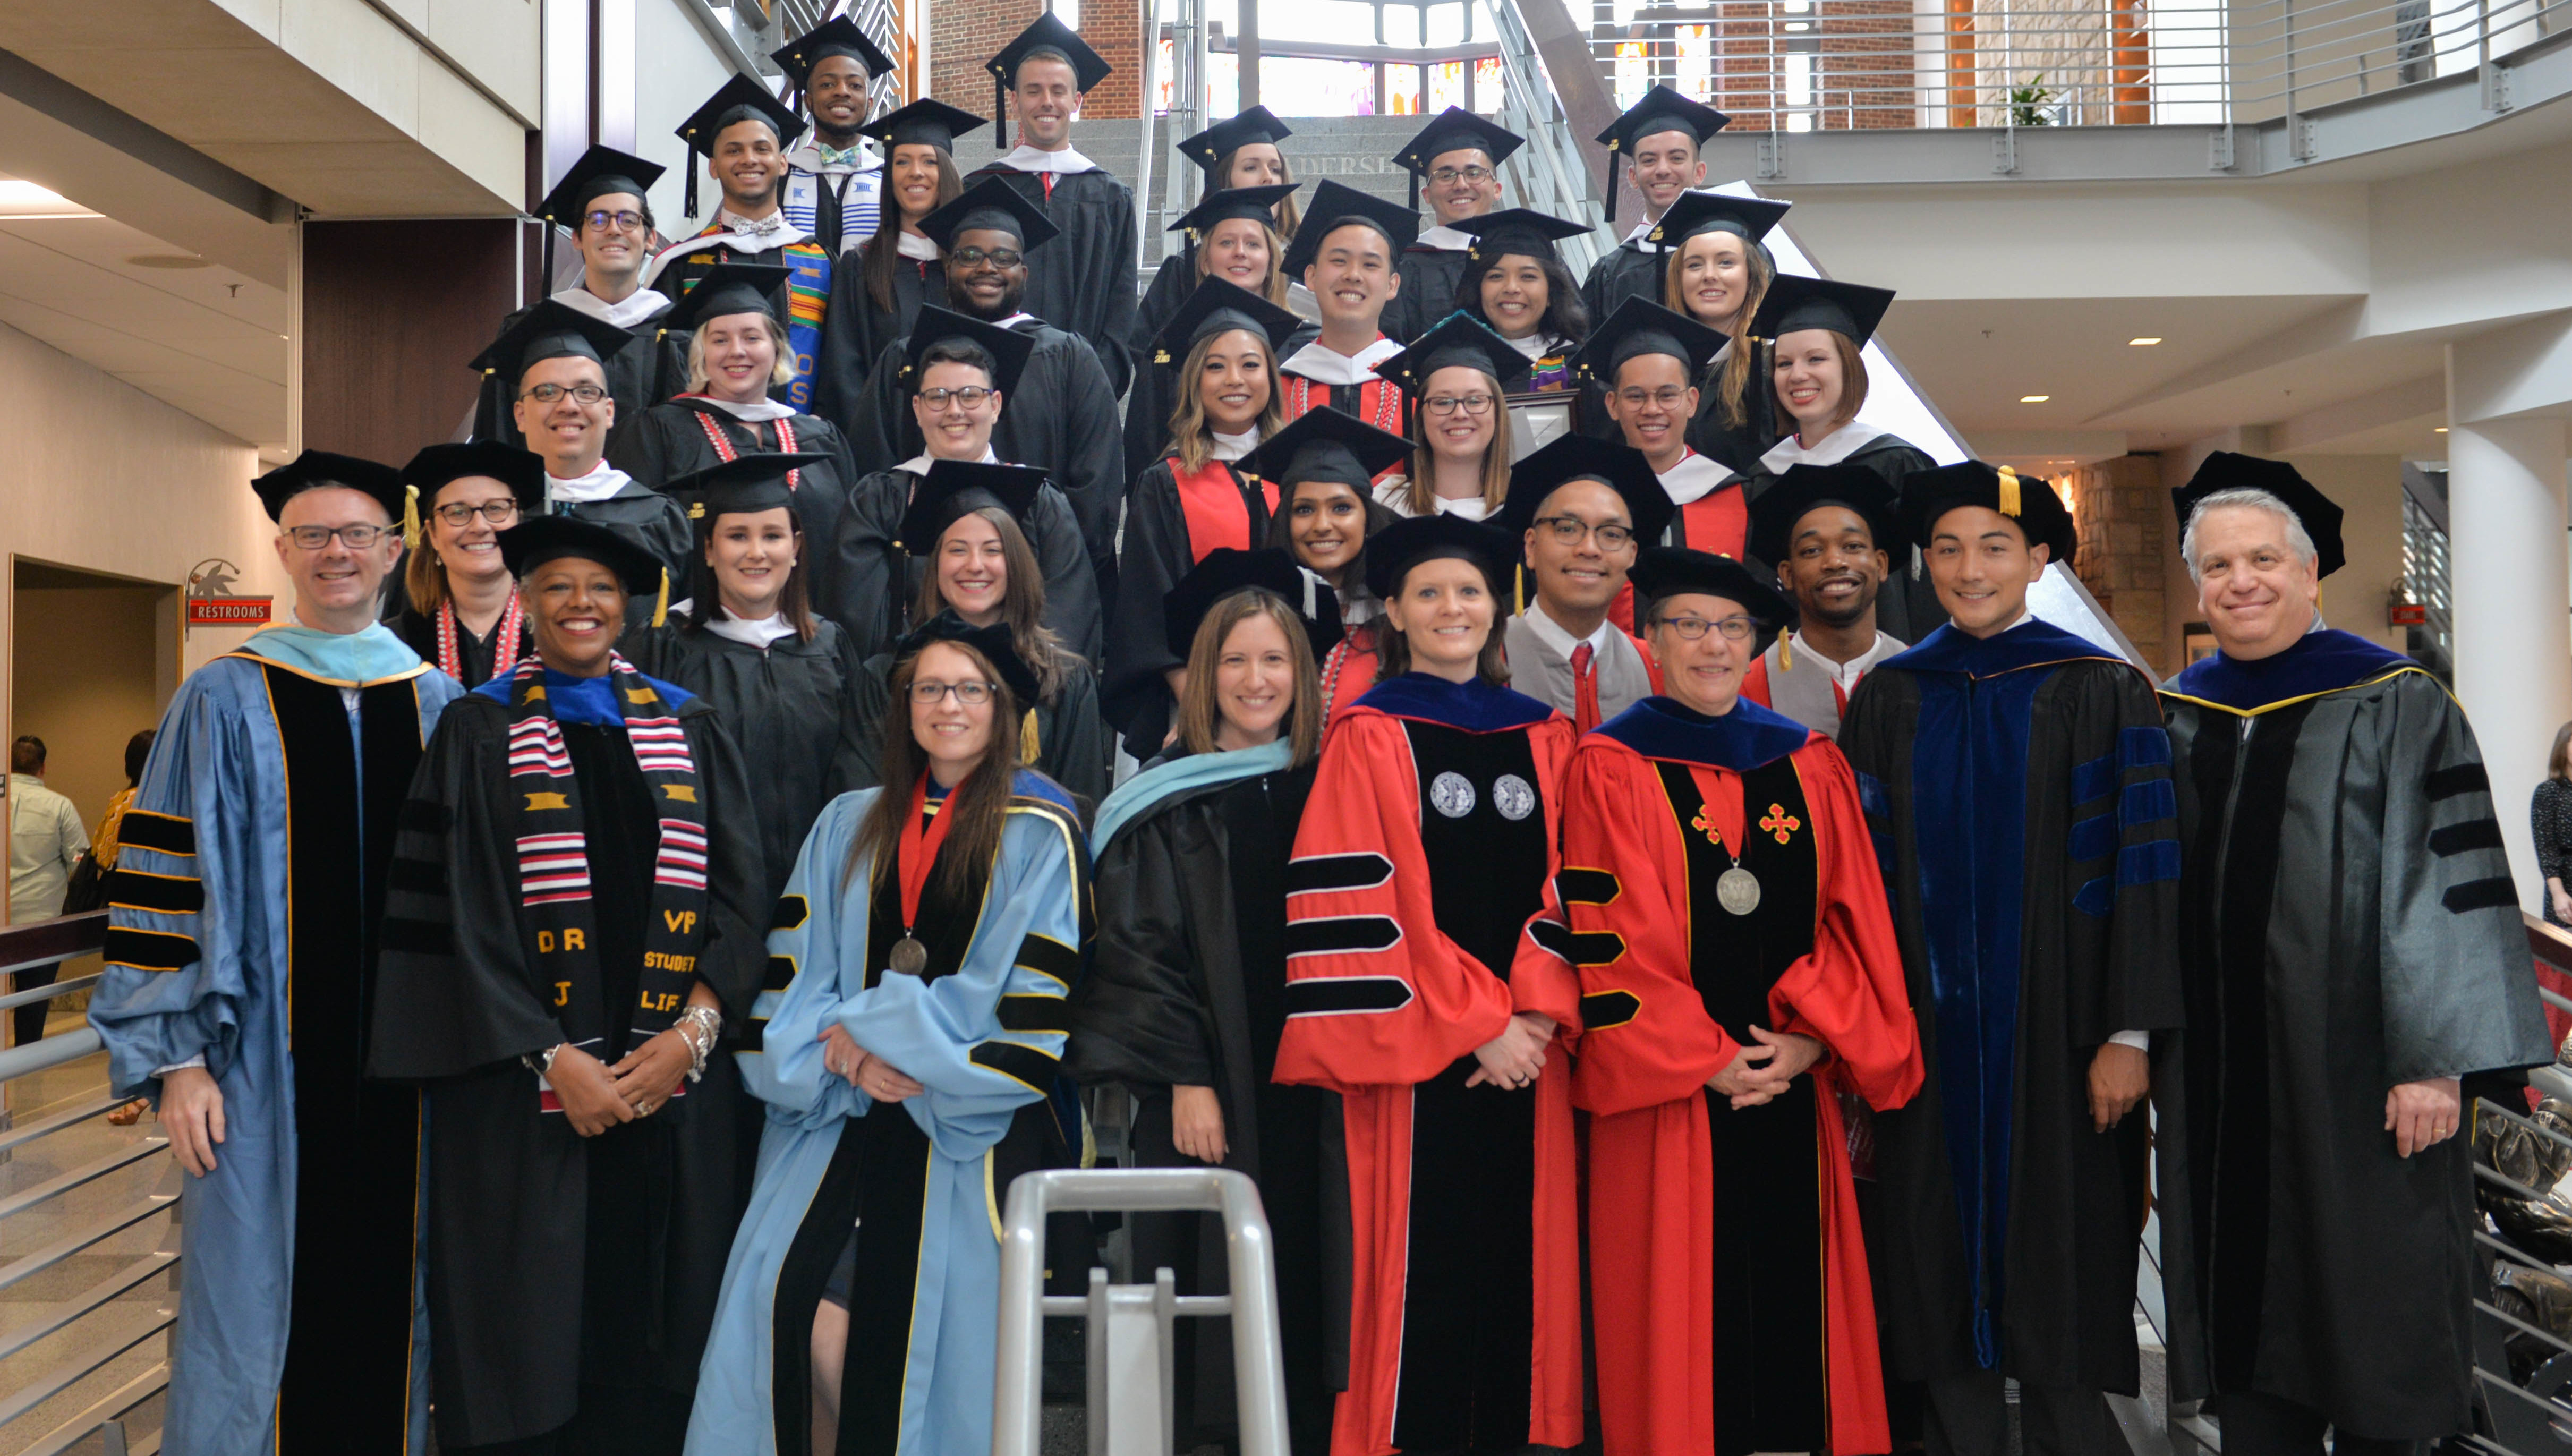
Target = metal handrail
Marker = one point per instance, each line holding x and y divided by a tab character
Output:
1549	171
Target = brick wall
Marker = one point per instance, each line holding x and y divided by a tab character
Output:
965	33
2126	544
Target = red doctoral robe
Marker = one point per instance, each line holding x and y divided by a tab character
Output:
1728	1276
1426	853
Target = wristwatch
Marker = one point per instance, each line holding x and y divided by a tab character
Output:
542	1063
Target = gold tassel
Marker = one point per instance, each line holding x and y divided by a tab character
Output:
661	603
1030	743
1517	589
410	517
2009	491
1785	651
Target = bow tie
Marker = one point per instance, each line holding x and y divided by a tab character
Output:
853	154
755	226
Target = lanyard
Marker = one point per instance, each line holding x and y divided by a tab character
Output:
918	850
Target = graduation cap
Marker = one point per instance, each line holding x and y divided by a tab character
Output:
741	484
1335	205
737	100
995	642
1808	488
2028	499
1048	36
1209	148
550	330
922	124
439	465
728	289
1523	231
600	171
953	488
1641	327
1666	571
538	539
2318	513
838	36
991	204
1453	129
1460	339
1008	348
1748	218
1251	203
1325	443
316	470
1393	551
1661	109
1216	307
1794	301
1226	571
1619	467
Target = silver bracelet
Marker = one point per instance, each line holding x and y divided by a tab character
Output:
542	1063
708	1025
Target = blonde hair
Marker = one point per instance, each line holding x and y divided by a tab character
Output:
1198	712
1191	437
1273	288
779	376
1731	390
1420	492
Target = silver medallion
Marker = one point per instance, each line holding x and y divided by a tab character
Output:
1453	794
911	957
1513	796
1737	891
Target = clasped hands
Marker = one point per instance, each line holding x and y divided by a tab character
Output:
880	1080
597	1096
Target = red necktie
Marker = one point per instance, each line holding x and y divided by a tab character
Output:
1584	689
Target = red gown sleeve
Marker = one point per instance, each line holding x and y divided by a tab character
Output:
1849	993
1651	664
1755	683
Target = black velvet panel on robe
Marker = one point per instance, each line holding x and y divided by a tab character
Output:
647	370
1082	282
874	580
671	441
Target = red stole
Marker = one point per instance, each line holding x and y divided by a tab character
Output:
1217	511
1717	522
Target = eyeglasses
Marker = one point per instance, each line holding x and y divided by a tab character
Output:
969	396
460	514
619	221
359	537
970	694
996	257
552	394
1569	529
1450	176
1667	397
1734	629
1477	404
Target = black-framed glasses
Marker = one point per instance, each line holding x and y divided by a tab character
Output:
1450	176
622	220
552	394
316	537
970	694
460	513
996	257
970	396
1669	396
1474	405
1569	529
1734	629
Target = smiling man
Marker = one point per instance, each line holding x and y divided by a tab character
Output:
1455	162
1659	137
2353	934
834	180
1344	252
1647	360
1825	528
255	859
1580	508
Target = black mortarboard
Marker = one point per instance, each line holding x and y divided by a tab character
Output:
1218	305
314	469
550	330
439	465
838	36
1641	327
1008	348
1226	570
1804	489
2028	499
1714	212
727	289
599	172
1619	467
1209	148
1662	572
741	484
1335	205
1393	551
995	642
1253	204
1459	338
922	124
991	202
952	487
1453	129
739	99
1794	301
1324	444
1523	231
2315	512
1046	33
540	538
1661	109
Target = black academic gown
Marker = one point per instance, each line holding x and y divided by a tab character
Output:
646	518
875	580
1154	392
790	707
1084	280
652	366
477	655
1430	277
2350	924
1627	270
2020	790
1161	547
1739	446
860	329
566	1276
1186	987
1061	420
1072	748
672	442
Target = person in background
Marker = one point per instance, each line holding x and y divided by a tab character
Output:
1455	379
463	617
296	1333
1456	160
1343	252
1230	236
1579	510
1661	138
1239	152
2353	956
1647	360
1085	287
44	841
1719	271
2550	820
1826	528
834	182
898	269
103	852
1186	1000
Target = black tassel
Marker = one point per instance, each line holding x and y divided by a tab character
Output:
1415	186
689	210
1000	113
1611	183
548	276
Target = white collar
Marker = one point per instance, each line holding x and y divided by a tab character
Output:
1024	158
1556	636
808	156
602	481
1537	344
918	464
1325	365
1234	446
913	245
1848	673
785	233
1013	321
1693	478
1471	507
625	313
771	628
758	410
1445	239
1844	442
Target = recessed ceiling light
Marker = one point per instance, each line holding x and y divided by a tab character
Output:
2437	429
2034	398
2145	341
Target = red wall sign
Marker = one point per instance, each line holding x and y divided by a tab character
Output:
230	611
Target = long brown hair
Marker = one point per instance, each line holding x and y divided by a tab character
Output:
1285	214
882	251
1852	384
705	594
1191	438
1730	380
1022	601
1272	288
980	803
1199	715
1393	646
2556	766
1421	491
